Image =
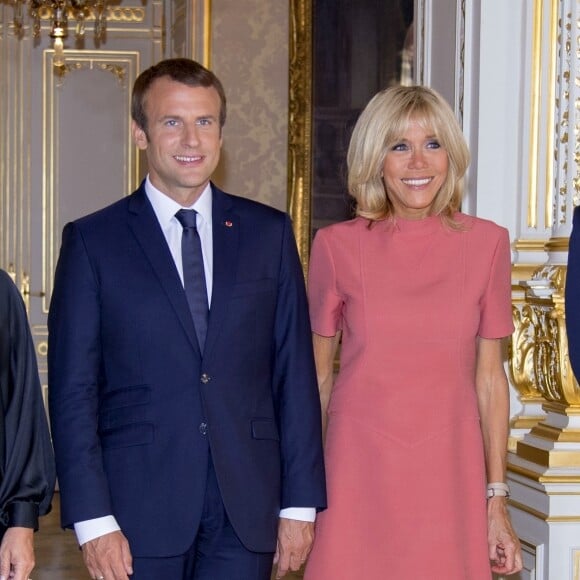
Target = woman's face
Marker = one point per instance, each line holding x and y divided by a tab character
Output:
414	170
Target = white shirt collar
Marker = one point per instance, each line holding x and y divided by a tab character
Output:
165	208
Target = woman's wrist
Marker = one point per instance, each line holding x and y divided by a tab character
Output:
498	489
497	507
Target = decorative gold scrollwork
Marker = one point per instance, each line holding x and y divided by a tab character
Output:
114	14
539	361
521	354
119	70
126	14
546	358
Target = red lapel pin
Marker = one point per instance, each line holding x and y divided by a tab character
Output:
228	224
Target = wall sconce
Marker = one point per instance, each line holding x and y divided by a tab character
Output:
59	12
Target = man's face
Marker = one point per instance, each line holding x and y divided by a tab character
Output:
183	138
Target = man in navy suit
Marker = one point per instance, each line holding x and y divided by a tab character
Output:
573	295
181	454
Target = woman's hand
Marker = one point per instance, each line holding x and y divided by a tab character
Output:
16	554
505	551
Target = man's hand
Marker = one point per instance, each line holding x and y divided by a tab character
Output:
108	557
294	544
16	554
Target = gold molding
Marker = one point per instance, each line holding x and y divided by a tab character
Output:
527	245
558	244
199	14
114	14
527	509
553	43
536	110
522	272
555	434
547	457
118	70
300	125
542	478
52	84
206	33
543	516
561	408
16	195
126	14
535	115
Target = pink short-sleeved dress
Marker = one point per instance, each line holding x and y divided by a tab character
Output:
404	453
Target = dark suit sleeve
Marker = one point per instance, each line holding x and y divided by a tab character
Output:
74	364
573	295
303	481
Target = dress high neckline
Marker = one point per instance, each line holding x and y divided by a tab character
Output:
421	226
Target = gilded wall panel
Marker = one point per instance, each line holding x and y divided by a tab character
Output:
15	130
88	156
64	135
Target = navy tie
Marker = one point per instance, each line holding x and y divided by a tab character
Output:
194	273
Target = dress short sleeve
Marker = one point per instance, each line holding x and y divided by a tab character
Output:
496	319
325	302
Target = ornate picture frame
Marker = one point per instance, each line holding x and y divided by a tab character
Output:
340	55
300	125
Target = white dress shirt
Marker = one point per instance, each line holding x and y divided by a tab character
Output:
165	209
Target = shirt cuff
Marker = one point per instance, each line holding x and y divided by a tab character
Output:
23	514
304	514
88	530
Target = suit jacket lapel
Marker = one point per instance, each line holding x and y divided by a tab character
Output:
226	231
145	227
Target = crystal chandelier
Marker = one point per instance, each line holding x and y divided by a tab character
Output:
59	12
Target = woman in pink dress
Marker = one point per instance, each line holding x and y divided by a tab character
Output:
418	295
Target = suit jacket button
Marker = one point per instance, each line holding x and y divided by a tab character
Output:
203	428
205	378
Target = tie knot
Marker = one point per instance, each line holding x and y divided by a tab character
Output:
187	217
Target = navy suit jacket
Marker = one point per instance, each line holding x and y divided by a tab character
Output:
135	408
573	295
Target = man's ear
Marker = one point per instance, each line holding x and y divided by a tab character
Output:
139	136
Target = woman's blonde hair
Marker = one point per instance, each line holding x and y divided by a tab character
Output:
380	126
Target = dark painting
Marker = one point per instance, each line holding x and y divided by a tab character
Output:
360	47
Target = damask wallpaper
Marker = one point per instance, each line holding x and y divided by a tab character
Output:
250	56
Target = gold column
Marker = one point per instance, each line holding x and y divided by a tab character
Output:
541	321
539	361
522	357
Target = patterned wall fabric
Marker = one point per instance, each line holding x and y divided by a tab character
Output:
250	55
